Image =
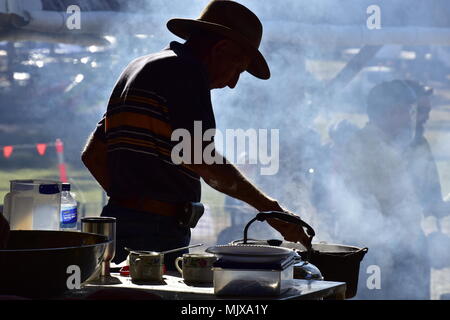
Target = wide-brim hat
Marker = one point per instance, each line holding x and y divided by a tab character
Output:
233	21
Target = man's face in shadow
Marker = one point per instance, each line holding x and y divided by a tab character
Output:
400	122
227	61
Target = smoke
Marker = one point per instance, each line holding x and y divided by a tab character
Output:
296	102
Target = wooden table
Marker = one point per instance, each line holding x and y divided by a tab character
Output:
174	288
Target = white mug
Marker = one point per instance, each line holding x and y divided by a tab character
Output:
197	267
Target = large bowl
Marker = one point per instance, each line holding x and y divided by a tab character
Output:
45	264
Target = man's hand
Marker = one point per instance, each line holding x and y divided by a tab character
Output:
4	232
289	231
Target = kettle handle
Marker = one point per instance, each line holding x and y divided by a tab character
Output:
283	216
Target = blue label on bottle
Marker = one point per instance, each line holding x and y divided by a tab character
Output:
69	216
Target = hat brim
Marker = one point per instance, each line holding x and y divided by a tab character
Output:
184	28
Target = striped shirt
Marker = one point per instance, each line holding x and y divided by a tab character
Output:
155	95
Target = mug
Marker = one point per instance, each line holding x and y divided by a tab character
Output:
106	226
197	267
146	266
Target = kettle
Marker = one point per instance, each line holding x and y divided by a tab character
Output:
33	205
303	269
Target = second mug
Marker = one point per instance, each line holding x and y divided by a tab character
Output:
197	267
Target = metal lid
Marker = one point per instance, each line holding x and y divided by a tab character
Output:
49	188
225	262
250	253
243	249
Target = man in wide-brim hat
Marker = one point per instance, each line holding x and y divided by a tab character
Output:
130	152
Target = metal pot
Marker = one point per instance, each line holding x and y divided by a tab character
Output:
336	262
38	264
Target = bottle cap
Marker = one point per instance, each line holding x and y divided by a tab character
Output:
65	186
49	188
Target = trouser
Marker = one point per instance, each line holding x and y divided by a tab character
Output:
146	231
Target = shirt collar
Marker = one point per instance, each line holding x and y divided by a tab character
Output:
183	51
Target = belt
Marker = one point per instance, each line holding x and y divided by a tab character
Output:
150	206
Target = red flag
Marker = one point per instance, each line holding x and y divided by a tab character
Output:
59	146
41	147
7	151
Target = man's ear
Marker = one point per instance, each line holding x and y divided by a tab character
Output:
220	47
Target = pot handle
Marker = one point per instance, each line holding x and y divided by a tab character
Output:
286	217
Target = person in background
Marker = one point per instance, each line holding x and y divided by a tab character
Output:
425	176
421	162
376	205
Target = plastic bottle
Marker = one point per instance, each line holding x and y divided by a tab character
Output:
69	210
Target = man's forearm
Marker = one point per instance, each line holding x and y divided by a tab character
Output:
228	179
